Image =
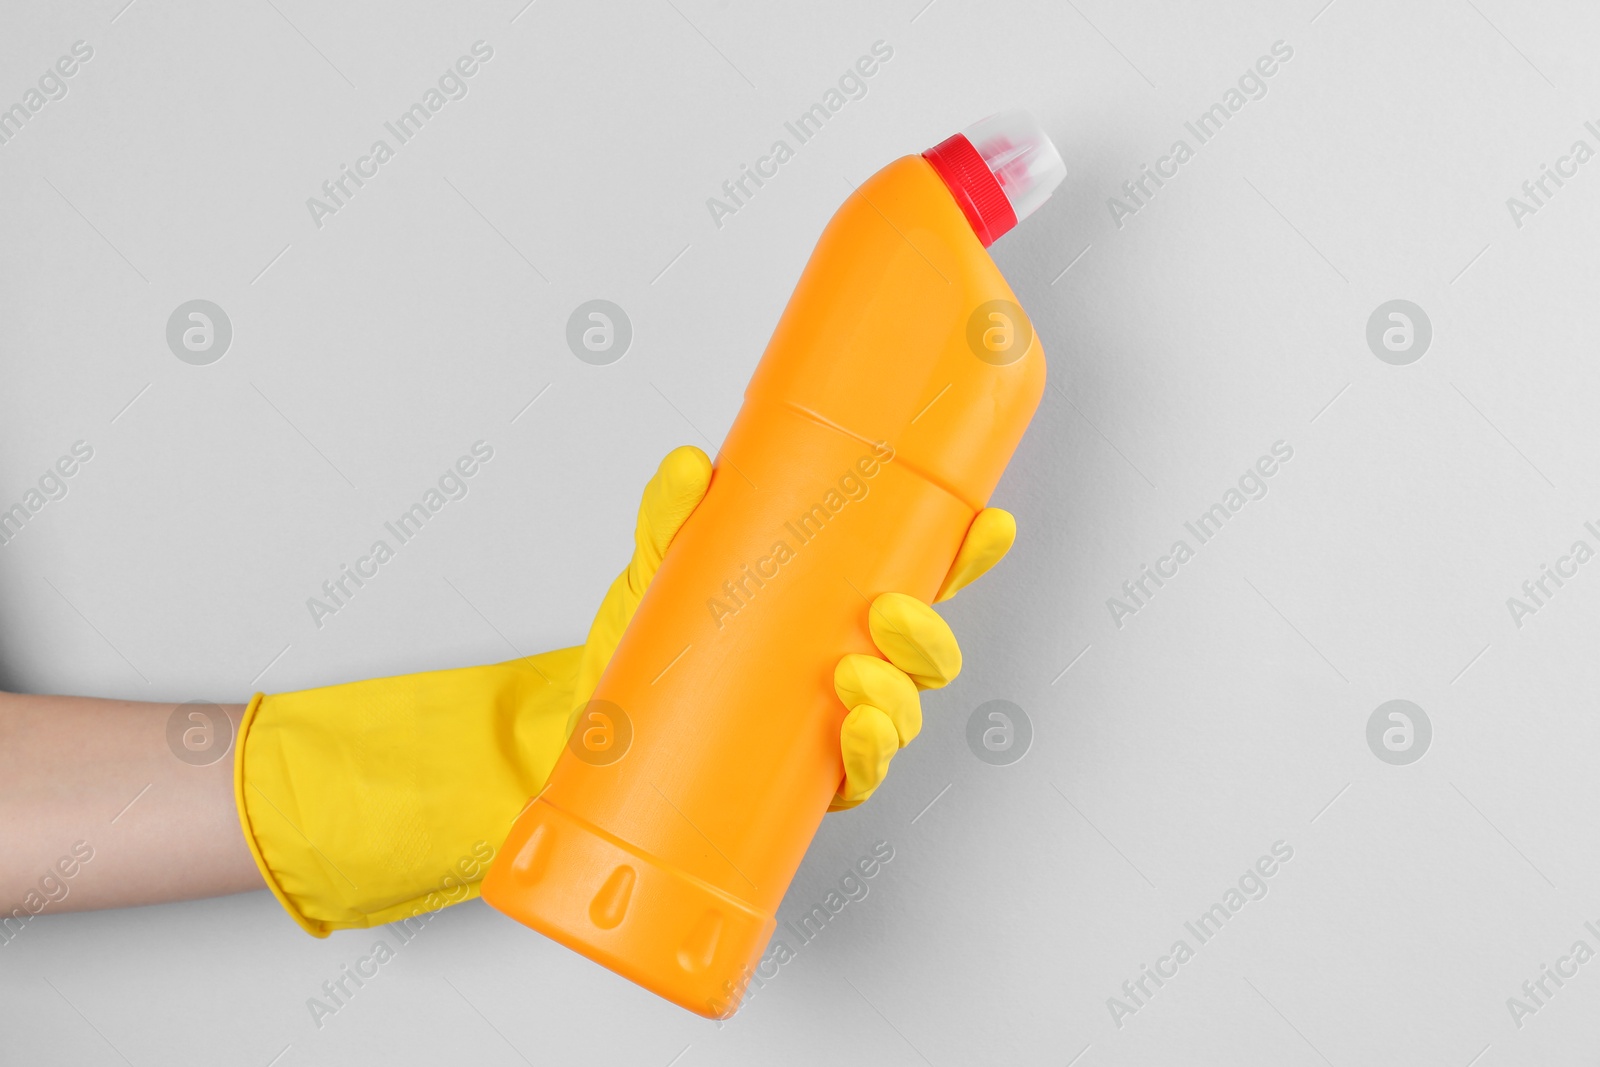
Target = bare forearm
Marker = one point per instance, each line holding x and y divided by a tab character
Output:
80	776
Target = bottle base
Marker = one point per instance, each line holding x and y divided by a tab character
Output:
656	925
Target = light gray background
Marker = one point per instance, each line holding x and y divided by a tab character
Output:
1228	314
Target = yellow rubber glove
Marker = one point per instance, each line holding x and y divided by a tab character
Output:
373	801
378	800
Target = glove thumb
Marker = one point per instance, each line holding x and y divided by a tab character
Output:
677	488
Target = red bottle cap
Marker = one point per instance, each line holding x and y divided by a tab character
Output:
974	187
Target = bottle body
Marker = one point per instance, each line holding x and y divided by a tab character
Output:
873	430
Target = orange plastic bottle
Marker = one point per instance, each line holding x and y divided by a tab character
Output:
894	391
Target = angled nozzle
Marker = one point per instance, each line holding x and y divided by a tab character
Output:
999	170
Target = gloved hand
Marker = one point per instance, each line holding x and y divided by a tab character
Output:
919	652
373	801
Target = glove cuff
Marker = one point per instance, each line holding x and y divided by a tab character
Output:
315	929
378	800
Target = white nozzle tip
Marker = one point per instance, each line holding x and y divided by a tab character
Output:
1021	157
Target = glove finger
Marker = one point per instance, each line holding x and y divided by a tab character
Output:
868	741
913	637
860	680
989	538
677	488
